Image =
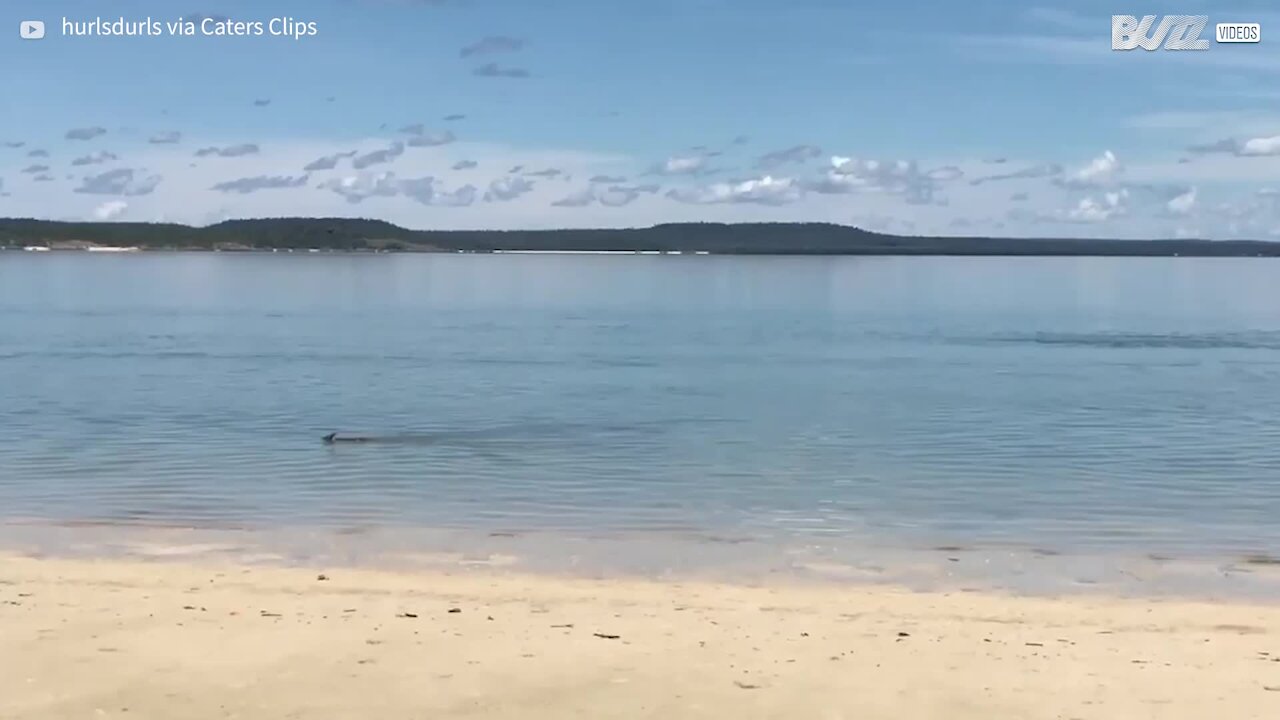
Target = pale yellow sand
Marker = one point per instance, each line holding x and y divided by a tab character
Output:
83	639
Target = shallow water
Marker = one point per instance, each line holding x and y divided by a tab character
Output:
1088	407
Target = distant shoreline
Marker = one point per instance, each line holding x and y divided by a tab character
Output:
375	236
106	250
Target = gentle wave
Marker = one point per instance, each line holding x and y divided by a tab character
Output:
825	401
1133	340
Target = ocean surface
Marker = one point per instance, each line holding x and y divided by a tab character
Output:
837	414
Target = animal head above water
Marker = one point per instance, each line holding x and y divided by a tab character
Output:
334	437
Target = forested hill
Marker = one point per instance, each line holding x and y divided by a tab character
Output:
747	238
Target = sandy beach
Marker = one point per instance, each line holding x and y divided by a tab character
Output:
145	639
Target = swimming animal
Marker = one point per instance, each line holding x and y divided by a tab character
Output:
334	437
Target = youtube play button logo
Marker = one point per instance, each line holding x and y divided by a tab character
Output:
31	29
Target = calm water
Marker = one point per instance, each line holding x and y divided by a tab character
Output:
1078	405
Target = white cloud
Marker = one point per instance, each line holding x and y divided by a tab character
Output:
423	190
122	181
327	162
248	185
683	165
427	191
945	174
849	174
896	177
1252	147
86	133
766	190
795	154
356	188
582	198
1227	145
1035	171
110	210
97	158
1101	208
494	70
186	193
617	195
377	157
1207	169
1102	170
608	196
420	136
507	188
229	151
1182	204
432	139
1251	217
1260	146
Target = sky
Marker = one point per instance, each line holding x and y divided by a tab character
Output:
914	117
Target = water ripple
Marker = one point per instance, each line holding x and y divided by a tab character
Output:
812	399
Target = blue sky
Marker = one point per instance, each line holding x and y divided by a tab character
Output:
918	117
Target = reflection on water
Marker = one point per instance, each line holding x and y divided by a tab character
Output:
1080	405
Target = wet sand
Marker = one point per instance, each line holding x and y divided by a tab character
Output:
205	639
